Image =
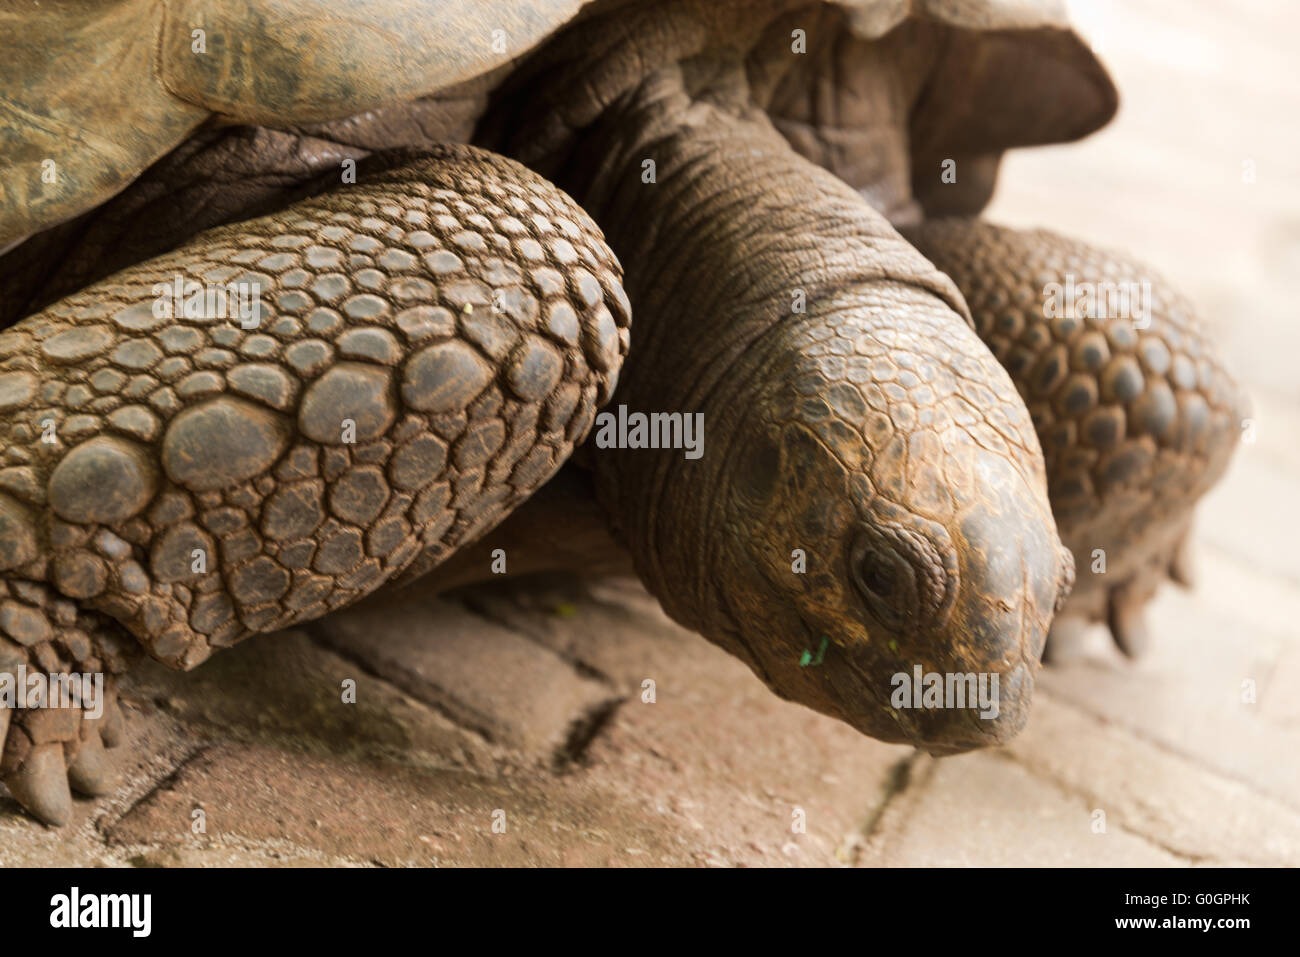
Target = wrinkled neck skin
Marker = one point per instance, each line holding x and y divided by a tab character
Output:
846	104
851	416
740	269
842	101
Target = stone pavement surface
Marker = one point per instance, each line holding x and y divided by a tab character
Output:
564	723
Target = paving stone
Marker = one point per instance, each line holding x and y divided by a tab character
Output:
1266	607
1279	702
573	617
1186	694
386	813
269	854
983	810
734	765
484	676
1254	516
1171	801
287	688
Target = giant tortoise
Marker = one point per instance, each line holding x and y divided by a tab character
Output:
300	307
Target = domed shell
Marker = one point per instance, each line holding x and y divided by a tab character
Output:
94	92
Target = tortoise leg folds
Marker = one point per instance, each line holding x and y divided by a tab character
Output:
284	414
1136	415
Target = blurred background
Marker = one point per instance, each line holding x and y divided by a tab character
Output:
1199	174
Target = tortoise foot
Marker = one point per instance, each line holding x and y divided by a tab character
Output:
58	701
1119	601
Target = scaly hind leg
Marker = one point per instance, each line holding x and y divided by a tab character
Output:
429	346
1136	414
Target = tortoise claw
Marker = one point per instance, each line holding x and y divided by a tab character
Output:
91	772
41	784
113	730
1182	567
52	742
1127	620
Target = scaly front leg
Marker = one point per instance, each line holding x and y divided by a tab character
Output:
425	350
1136	413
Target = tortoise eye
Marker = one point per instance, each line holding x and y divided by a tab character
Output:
883	575
879	577
906	572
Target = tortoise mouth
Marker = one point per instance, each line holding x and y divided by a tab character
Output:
992	719
980	657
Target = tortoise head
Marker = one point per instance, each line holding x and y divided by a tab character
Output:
887	532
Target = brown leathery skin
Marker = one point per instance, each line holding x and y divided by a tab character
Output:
460	315
882	92
874	431
1137	415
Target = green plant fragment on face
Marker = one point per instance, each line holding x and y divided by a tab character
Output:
807	657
